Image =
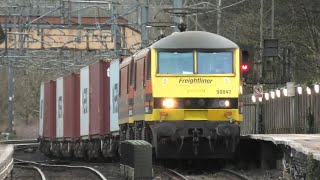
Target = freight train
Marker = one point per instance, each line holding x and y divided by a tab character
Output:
182	94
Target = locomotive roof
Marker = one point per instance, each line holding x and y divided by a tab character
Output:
194	40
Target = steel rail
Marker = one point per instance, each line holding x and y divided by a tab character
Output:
234	173
7	169
43	177
177	174
23	141
25	146
173	172
98	173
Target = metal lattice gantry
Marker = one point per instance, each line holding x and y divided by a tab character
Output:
63	36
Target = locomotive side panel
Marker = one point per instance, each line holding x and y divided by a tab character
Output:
99	100
84	101
71	104
49	117
124	91
139	97
141	101
60	107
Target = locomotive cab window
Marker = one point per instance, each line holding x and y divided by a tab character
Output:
175	63
215	63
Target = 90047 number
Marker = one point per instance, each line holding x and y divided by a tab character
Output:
223	91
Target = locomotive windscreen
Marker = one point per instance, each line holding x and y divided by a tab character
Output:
215	63
175	63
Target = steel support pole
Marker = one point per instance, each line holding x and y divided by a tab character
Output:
177	4
272	19
10	114
218	16
116	32
138	16
11	97
144	21
259	64
259	68
10	127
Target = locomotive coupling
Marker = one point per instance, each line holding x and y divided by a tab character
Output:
229	116
163	116
195	135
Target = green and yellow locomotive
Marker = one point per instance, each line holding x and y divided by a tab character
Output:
182	95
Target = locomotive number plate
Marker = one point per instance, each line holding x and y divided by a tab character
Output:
223	91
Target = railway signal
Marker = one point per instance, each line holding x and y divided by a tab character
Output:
245	66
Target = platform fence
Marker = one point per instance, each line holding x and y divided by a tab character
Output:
284	115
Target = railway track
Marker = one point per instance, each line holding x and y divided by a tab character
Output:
166	173
32	168
43	168
236	174
224	174
49	170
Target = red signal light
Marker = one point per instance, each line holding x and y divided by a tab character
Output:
244	67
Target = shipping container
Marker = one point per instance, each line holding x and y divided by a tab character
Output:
71	106
114	95
41	110
49	114
59	108
99	98
84	101
94	100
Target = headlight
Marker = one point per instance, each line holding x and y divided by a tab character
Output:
227	103
201	102
168	103
224	103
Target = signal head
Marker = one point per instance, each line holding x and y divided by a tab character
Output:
244	67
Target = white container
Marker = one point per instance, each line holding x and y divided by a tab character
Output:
59	108
84	101
114	95
41	110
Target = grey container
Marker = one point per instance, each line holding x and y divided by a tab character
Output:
136	156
